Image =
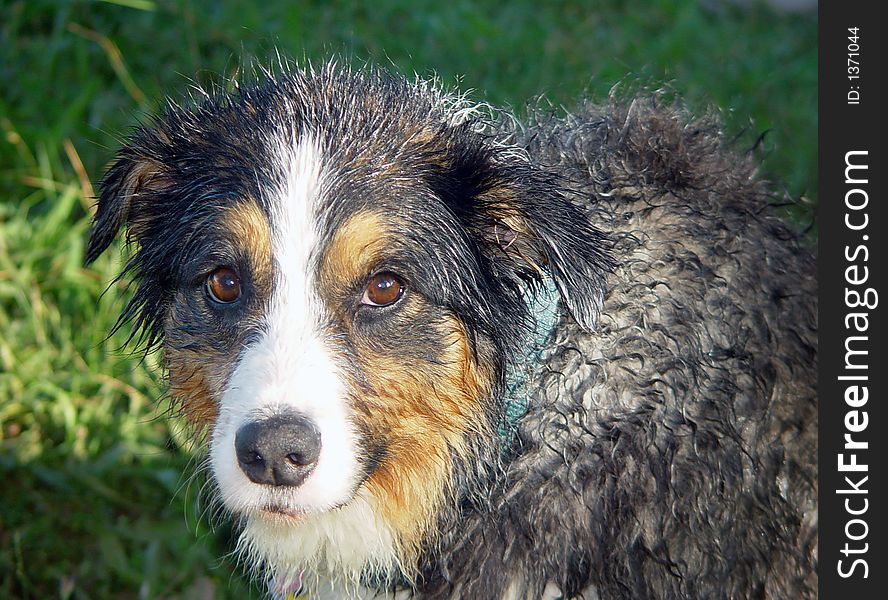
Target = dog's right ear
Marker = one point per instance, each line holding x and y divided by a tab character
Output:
127	187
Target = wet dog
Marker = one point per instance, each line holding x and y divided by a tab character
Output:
438	352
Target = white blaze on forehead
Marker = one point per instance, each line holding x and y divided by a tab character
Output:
295	237
290	367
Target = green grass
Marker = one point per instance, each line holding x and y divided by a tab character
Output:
95	500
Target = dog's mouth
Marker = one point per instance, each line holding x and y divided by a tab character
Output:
283	514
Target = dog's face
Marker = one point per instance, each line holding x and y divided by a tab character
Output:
335	266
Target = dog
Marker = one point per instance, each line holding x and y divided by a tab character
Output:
439	353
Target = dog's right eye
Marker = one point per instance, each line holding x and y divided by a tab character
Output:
383	289
223	285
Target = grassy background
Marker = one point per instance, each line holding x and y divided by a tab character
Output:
93	500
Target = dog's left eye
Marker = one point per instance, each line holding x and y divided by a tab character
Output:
223	285
383	289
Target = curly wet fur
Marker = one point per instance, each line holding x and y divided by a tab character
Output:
669	446
669	453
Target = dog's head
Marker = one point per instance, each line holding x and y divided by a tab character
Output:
336	266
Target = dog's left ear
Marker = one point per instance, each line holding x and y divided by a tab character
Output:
526	223
532	224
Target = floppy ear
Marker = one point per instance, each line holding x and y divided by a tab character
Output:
541	232
527	225
127	185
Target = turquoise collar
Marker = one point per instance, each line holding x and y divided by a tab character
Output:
542	304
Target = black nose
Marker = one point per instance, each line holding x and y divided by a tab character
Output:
280	450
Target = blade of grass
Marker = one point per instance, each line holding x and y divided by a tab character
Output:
114	57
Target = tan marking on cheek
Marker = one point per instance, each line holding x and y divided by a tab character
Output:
194	382
426	412
355	246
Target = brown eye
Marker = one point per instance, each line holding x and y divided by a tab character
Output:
223	285
383	289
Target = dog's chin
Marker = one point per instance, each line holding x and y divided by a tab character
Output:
339	543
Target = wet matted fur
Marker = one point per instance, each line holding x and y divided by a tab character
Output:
667	446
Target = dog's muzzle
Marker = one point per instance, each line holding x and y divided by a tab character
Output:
281	450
